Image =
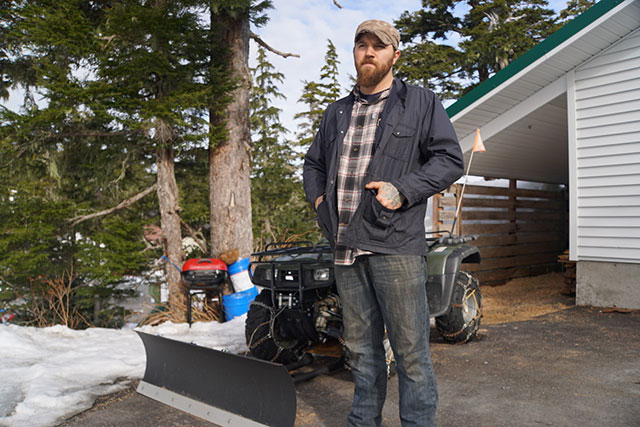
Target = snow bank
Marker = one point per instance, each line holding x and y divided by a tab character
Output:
50	374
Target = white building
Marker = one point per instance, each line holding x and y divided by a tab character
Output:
568	111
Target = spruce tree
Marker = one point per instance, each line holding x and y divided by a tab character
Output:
573	9
492	33
125	84
317	96
61	159
279	209
229	156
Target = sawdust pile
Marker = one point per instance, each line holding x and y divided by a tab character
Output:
524	298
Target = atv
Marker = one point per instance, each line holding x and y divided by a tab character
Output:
299	305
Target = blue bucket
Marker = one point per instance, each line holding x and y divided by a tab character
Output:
237	304
239	266
240	278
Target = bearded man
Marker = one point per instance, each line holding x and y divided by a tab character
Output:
379	154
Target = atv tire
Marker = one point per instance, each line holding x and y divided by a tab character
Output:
258	332
461	323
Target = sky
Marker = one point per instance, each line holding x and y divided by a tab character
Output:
303	27
47	375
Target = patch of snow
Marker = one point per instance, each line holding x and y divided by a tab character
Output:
49	374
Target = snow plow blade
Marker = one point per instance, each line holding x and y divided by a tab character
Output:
222	388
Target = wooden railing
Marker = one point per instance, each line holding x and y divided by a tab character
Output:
521	232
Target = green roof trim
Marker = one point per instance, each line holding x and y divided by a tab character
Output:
554	40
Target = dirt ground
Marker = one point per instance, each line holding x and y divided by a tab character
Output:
537	360
524	298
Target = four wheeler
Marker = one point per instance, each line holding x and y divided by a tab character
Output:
299	305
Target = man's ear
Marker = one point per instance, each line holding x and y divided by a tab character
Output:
396	55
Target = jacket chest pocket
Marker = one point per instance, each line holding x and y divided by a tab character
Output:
400	143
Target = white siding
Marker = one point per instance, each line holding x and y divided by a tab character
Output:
607	132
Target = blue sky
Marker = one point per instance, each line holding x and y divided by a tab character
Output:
303	27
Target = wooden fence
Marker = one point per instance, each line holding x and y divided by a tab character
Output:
521	232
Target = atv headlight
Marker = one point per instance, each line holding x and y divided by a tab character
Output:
321	275
268	275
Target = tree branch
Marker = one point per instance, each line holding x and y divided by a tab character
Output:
261	42
123	171
196	236
337	4
91	133
13	158
125	204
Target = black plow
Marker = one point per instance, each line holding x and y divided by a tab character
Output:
223	388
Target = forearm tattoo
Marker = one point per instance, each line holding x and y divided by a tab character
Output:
390	194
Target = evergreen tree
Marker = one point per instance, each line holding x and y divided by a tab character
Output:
58	161
152	68
573	9
492	34
317	96
279	209
329	76
125	85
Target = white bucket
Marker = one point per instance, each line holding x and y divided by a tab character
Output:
239	272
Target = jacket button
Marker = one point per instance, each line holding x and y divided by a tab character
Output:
384	217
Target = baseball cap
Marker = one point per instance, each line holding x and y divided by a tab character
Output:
381	29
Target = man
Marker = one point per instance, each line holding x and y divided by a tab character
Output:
379	154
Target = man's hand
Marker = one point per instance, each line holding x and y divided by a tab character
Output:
319	200
388	195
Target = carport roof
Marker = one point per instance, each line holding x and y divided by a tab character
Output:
521	110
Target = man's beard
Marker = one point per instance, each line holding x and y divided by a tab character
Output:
370	77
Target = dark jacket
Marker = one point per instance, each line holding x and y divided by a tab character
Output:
415	149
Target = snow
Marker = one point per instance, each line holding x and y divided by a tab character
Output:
49	374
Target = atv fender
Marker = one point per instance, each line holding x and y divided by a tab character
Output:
442	268
467	254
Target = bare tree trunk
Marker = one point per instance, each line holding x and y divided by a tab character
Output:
229	161
170	222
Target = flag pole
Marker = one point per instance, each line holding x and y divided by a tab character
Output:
477	146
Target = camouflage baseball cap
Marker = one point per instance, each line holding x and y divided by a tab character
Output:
381	29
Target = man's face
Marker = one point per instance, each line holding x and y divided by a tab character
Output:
373	59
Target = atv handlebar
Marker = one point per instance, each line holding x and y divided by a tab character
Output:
457	240
294	243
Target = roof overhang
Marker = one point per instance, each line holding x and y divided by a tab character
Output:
522	110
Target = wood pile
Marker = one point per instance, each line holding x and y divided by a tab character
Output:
569	268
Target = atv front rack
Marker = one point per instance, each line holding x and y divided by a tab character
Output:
291	268
292	248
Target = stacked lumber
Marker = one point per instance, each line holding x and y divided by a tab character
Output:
569	268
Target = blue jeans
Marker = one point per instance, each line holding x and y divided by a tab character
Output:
379	290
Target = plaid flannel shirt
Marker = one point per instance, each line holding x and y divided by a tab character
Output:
357	152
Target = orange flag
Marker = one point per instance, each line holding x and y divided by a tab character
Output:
477	143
